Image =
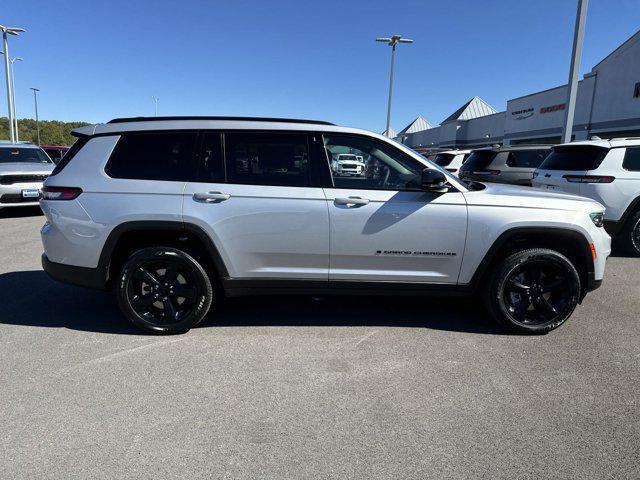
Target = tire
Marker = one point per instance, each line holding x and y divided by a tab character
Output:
159	304
533	291
629	237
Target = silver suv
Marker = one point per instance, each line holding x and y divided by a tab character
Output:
23	168
174	213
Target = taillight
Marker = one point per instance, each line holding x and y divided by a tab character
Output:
487	172
588	178
60	193
452	170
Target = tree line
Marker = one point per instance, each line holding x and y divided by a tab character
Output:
52	132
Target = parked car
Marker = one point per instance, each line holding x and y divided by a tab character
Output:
348	164
451	160
156	209
607	171
510	164
23	168
55	152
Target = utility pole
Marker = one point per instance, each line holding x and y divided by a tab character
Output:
13	90
35	99
392	42
5	32
574	70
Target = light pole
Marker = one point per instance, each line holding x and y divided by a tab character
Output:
155	99
13	90
9	31
35	100
392	42
574	68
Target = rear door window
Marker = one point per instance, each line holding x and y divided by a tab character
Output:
632	159
211	165
154	156
273	158
480	159
526	158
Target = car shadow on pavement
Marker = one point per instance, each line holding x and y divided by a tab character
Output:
21	212
31	298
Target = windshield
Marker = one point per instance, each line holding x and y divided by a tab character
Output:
574	158
23	155
480	159
443	159
347	157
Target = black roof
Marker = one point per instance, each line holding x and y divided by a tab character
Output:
239	119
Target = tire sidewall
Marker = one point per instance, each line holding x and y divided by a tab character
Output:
500	309
203	285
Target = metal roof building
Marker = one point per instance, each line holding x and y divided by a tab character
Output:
608	105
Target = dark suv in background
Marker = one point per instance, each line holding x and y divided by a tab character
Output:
511	164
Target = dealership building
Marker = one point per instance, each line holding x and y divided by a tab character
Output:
607	106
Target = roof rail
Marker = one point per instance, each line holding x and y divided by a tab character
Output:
625	138
240	119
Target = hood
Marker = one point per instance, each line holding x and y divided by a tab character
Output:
496	194
12	168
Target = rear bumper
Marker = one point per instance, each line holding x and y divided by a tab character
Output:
81	276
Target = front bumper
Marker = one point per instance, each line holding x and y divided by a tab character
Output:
81	276
11	195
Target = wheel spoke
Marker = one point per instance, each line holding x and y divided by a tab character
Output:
147	276
518	284
543	305
185	291
169	308
142	301
520	308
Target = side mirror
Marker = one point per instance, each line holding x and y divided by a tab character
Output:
434	181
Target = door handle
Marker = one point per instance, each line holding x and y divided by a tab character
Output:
351	201
211	197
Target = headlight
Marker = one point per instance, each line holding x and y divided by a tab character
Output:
597	218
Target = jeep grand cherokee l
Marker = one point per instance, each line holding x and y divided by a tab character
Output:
162	211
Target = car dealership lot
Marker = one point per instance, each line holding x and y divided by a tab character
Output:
299	388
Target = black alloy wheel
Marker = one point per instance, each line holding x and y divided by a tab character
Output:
164	290
534	291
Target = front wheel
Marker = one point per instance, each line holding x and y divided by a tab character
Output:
533	291
164	290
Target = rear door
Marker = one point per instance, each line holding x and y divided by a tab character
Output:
564	166
253	197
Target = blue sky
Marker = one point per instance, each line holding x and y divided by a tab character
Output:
95	60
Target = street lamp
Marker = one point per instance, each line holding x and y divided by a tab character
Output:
155	99
13	90
9	31
392	42
35	99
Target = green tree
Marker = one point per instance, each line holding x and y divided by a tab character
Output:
52	132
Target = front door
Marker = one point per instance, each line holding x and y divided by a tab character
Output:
259	209
383	227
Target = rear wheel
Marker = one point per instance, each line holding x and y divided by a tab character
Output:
629	237
164	290
533	291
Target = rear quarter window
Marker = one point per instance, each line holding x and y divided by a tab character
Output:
632	159
574	158
443	159
165	156
480	159
526	158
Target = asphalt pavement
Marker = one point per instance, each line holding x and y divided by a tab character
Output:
288	388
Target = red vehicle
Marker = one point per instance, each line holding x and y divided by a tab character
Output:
55	152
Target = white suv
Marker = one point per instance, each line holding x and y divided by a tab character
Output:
605	170
347	164
451	160
174	213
